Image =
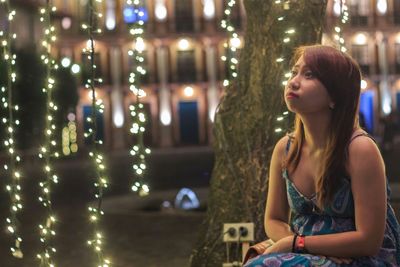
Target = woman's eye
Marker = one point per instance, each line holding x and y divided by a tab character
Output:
293	73
309	74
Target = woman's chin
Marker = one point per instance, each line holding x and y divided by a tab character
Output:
291	108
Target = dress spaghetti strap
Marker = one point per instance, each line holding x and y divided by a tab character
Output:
362	134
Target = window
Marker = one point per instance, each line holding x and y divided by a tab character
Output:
134	15
360	54
188	122
184	16
186	66
397	58
359	12
396	12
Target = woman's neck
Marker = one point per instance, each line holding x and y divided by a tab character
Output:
316	129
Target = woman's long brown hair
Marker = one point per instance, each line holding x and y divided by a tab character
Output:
341	76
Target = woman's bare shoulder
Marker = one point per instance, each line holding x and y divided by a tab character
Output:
281	145
361	143
364	153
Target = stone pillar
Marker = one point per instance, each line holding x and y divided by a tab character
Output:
165	112
384	88
117	101
212	92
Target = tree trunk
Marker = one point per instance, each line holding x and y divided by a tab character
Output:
245	122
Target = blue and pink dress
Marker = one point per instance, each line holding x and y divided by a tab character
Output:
338	217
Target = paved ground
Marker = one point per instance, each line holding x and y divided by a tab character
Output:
138	232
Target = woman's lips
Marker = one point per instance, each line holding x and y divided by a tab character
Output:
292	95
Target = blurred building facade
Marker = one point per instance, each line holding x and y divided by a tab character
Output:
372	37
183	46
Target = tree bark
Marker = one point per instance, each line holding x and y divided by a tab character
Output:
245	122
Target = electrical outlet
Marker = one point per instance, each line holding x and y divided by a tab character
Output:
242	232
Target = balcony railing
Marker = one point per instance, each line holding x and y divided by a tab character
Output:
396	19
184	24
397	68
186	76
359	20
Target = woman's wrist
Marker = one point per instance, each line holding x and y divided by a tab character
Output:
294	242
299	244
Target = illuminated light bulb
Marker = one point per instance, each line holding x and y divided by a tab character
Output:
235	42
160	10
75	68
66	23
360	39
208	9
165	117
188	91
183	44
89	44
363	84
381	6
140	46
66	62
337	8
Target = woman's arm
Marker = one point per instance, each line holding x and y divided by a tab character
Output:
277	207
368	184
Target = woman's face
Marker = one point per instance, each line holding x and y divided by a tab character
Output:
304	93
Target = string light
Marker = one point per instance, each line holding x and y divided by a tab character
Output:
10	123
287	37
231	45
343	18
138	152
69	136
48	150
101	183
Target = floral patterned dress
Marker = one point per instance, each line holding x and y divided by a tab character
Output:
339	217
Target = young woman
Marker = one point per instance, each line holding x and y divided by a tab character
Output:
327	197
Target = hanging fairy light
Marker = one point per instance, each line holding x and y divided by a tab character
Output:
10	123
139	151
48	150
231	45
96	242
343	18
286	39
69	136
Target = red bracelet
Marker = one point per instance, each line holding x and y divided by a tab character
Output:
300	246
